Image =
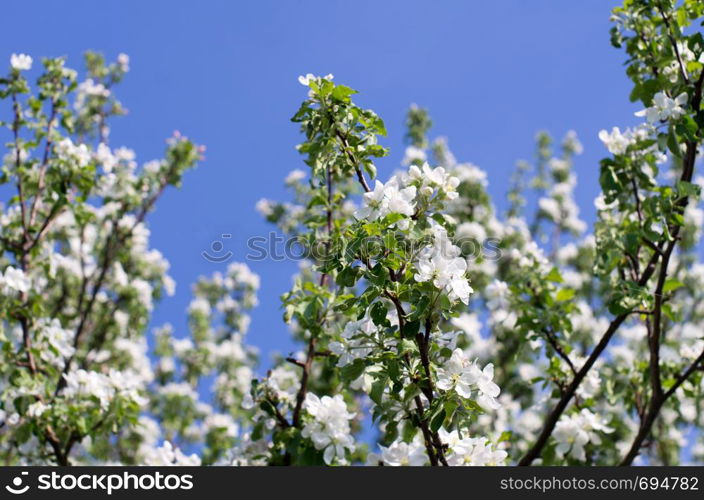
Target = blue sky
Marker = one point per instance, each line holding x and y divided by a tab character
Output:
224	73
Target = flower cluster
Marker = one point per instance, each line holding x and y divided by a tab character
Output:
329	428
664	108
573	333
21	62
82	385
464	376
467	451
168	455
574	432
443	265
387	199
14	280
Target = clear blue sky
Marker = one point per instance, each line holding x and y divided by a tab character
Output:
224	73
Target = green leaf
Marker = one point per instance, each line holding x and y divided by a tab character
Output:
347	277
411	392
685	188
353	370
420	308
378	390
564	294
378	313
554	276
406	346
450	407
671	284
411	329
437	421
673	143
378	275
608	179
342	93
505	436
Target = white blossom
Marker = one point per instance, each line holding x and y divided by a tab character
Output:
442	265
413	154
329	430
468	451
167	455
71	152
573	432
14	280
664	107
400	453
387	198
309	77
21	62
464	376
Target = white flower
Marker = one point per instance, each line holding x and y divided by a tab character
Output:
413	154
531	256
456	374
446	274
124	61
433	179
168	455
265	207
466	451
68	151
222	422
571	142
570	437
240	274
21	62
487	387
90	88
664	107
82	385
386	199
372	202
399	201
400	453
551	208
471	174
462	375
471	231
355	342
182	346
305	80
56	339
330	429
574	432
247	402
144	292
179	390
442	265
295	176
284	383
36	409
15	280
105	157
497	295
309	77
615	142
86	384
199	305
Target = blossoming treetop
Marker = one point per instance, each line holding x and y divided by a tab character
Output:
470	336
